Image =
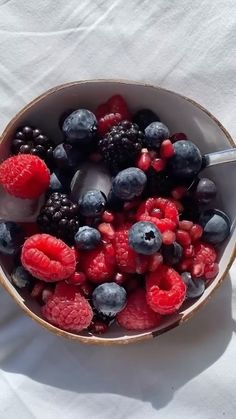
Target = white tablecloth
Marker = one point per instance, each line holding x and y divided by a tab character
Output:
183	45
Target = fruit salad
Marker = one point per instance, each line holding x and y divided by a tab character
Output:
130	249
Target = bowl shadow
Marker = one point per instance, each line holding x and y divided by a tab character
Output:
151	371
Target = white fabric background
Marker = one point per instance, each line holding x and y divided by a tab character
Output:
186	46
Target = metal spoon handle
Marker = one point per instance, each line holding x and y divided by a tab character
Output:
219	157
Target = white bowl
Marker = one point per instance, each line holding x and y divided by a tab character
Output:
180	114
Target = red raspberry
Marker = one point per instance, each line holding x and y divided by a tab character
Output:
154	208
211	271
24	176
144	160
126	258
102	110
117	104
48	258
99	264
178	136
158	164
108	121
68	309
167	149
204	253
183	238
137	315
165	290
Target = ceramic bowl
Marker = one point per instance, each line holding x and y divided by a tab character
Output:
180	114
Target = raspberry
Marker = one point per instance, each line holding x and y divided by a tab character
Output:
68	309
158	164
99	264
204	253
165	290
183	238
102	110
211	271
167	149
117	104
126	258
108	121
137	315
154	208
24	176
48	258
144	160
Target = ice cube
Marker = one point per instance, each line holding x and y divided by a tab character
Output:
90	176
17	209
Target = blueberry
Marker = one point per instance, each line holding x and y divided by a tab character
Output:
109	298
67	157
129	183
145	117
21	278
92	203
205	191
216	226
59	182
195	287
87	238
11	237
145	238
155	133
172	253
187	160
80	127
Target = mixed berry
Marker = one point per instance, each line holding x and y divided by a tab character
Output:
133	255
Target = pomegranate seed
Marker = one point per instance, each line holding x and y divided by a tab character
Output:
179	192
98	327
107	217
46	294
198	269
178	136
183	238
77	278
120	278
131	204
168	237
37	290
189	251
185	225
167	149
158	165
144	161
86	289
107	231
211	271
95	157
102	110
155	261
196	232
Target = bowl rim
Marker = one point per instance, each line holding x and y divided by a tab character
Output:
144	335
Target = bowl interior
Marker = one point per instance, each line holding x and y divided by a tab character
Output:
180	115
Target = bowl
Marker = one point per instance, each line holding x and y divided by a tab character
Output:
180	114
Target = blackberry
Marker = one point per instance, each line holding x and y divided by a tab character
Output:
59	217
121	146
30	140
